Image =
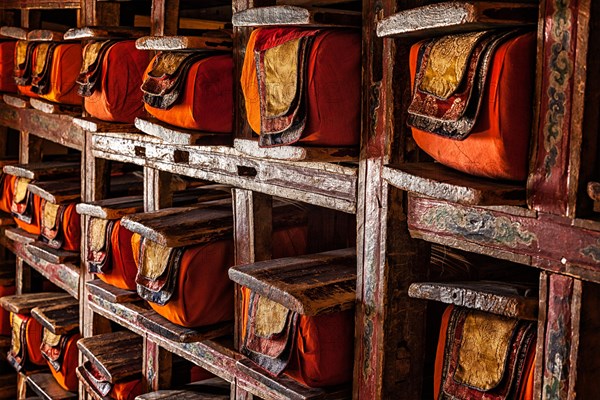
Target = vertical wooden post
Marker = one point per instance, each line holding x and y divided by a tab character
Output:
30	148
22	277
157	189
157	369
164	18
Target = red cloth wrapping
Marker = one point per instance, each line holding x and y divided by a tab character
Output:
117	97
66	377
124	267
204	293
333	82
126	390
7	65
66	63
498	144
8	188
206	103
33	338
5	327
71	226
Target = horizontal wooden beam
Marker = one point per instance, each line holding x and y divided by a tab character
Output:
47	388
104	33
43	170
24	303
60	319
215	40
174	135
296	153
296	16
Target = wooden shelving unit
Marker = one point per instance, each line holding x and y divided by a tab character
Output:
402	202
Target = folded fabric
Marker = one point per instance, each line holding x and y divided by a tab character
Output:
125	390
7	186
484	356
23	59
303	85
25	342
191	90
471	107
26	207
316	351
60	226
193	289
7	65
62	355
110	80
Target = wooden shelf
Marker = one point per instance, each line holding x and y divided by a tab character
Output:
309	285
16	101
57	128
293	15
88	386
59	319
209	389
39	4
174	135
457	16
212	40
110	293
43	170
147	321
437	181
296	153
117	356
322	184
90	124
510	300
45	386
55	108
64	191
14	32
24	303
511	233
104	33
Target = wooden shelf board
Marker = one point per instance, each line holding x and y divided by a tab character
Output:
18	235
455	17
293	15
174	135
45	386
39	4
181	395
182	43
322	184
437	181
52	256
60	319
14	32
44	35
57	128
309	285
43	170
510	233
182	226
104	33
65	275
90	124
118	355
49	107
111	293
509	300
24	303
16	101
296	153
147	320
64	191
88	385
10	116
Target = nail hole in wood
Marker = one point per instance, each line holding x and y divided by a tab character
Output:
140	151
246	171
181	156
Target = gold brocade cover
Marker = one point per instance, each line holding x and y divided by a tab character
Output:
484	348
167	64
281	78
91	51
50	214
155	260
41	58
270	318
97	234
20	190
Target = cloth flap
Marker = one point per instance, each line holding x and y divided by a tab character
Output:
281	77
20	190
91	53
271	318
97	234
50	214
166	64
98	381
484	350
154	259
43	53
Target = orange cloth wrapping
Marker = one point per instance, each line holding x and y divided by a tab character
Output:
23	59
66	64
33	338
124	267
7	65
525	391
117	97
498	144
66	232
8	187
126	390
206	103
331	89
66	377
204	293
323	351
5	315
36	220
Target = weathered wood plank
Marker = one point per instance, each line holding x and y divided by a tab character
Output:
44	35
435	180
45	386
20	236
296	153
117	355
324	184
88	386
510	300
10	116
293	15
14	32
174	135
59	319
53	256
90	124
103	33
310	285
64	191
54	108
24	303
111	293
57	128
43	170
181	395
454	17
521	238
16	101
212	40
